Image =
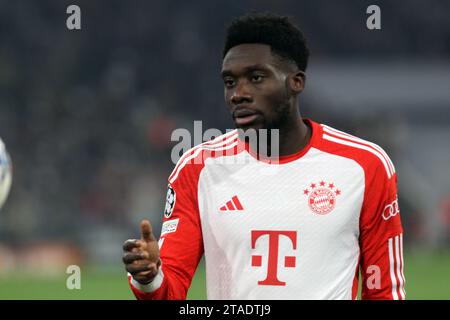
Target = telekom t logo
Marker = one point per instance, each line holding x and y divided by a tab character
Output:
272	265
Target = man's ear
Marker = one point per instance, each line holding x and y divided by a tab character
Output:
297	81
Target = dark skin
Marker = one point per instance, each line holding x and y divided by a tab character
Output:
265	86
141	256
261	91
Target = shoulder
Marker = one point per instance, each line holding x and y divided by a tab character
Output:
370	156
193	160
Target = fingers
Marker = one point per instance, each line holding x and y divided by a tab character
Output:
142	269
146	231
130	257
131	244
152	270
145	277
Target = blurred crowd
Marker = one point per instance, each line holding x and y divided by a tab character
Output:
87	115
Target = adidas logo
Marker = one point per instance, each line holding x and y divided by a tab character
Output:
233	205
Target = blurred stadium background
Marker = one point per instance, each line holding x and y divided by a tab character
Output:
87	116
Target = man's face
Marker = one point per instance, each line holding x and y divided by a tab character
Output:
256	89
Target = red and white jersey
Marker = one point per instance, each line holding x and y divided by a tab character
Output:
303	228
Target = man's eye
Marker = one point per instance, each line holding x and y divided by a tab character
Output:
257	78
228	82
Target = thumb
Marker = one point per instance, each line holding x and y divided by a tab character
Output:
146	231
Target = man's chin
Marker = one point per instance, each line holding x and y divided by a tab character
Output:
251	127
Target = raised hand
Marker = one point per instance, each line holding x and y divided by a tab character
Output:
141	256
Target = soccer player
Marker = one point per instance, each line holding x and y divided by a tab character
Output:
328	213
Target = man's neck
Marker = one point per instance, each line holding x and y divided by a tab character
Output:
291	138
294	137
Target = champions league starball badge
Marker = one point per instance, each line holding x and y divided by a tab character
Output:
170	201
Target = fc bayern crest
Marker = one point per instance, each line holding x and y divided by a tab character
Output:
170	201
322	197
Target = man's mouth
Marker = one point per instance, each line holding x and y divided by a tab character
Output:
244	117
245	120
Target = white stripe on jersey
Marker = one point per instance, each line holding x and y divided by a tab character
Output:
402	274
392	270
360	146
197	152
356	139
397	271
216	142
396	267
160	242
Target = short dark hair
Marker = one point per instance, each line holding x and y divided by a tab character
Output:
284	38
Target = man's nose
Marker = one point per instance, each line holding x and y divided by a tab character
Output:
241	94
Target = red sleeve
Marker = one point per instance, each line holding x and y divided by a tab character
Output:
381	236
181	243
